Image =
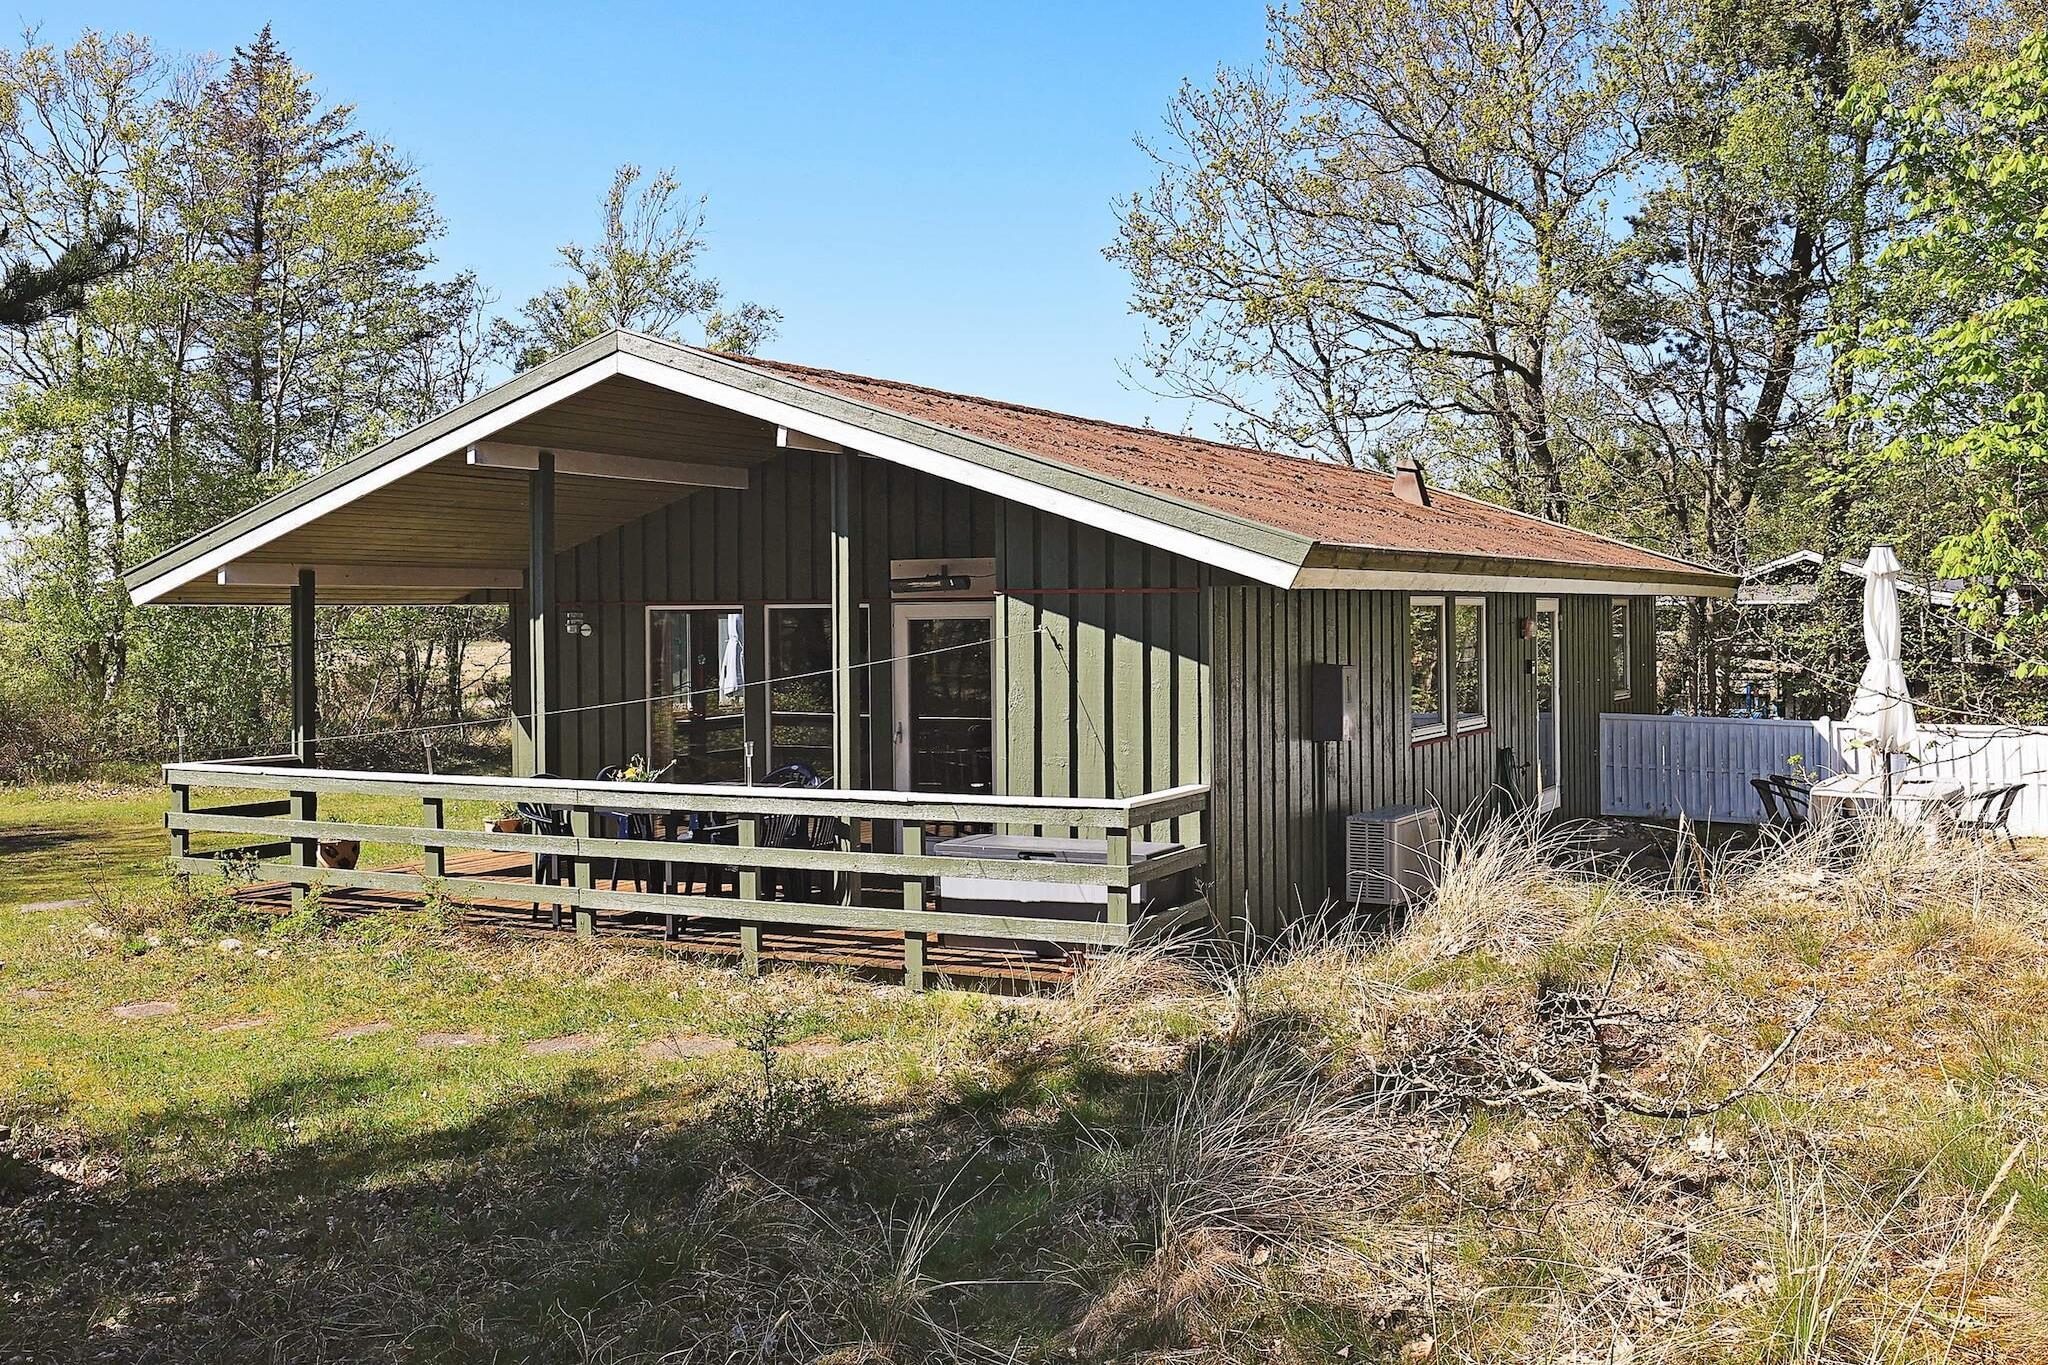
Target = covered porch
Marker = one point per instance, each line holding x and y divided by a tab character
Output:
774	673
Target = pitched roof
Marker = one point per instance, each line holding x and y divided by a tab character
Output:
1273	518
1328	503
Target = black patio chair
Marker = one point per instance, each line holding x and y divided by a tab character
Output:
549	869
1988	813
1768	795
629	824
1795	802
800	832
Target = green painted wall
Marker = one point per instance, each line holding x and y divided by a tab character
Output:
1119	669
1280	798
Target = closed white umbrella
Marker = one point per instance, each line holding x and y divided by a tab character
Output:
1882	712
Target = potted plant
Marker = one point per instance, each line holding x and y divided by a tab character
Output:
507	820
340	853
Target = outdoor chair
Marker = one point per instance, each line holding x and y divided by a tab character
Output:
549	869
1768	795
629	824
1988	813
797	831
1793	808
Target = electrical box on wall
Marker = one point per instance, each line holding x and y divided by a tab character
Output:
1332	702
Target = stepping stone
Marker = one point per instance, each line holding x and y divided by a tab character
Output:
146	1009
241	1025
567	1042
456	1039
52	905
683	1046
35	993
361	1030
819	1046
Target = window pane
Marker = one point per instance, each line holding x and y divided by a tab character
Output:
1618	641
1469	661
800	688
1426	665
699	695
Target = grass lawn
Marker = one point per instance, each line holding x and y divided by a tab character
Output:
403	1139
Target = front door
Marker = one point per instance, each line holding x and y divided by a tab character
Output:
1548	752
945	689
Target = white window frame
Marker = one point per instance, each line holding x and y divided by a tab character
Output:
647	659
1418	734
1621	684
768	610
1482	718
1549	790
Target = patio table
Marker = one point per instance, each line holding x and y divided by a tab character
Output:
1856	795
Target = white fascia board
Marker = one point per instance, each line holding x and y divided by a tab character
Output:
464	436
1408	580
1072	506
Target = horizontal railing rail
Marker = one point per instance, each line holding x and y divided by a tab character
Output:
290	825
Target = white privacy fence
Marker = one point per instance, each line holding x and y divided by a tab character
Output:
1699	767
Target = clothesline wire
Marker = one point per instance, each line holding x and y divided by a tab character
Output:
685	695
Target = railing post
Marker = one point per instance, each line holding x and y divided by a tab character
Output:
585	871
1118	856
913	899
750	892
181	839
434	815
305	847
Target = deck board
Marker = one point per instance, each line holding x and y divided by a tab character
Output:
865	951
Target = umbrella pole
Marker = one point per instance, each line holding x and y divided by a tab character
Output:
1886	756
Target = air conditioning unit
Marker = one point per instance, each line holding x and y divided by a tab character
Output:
1391	855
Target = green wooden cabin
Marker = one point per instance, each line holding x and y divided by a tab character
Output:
1023	603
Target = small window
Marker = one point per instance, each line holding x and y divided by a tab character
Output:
1618	643
1426	672
697	682
1468	662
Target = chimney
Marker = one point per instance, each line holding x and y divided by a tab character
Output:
1408	482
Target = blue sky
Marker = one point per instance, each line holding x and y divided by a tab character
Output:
923	189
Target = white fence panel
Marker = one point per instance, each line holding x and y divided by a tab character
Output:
1662	767
1980	756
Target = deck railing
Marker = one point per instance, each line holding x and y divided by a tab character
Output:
288	831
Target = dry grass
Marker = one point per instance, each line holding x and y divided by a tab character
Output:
1419	1143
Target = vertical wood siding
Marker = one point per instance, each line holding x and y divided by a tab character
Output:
1280	799
747	548
1101	663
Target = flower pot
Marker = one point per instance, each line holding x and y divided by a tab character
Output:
340	853
505	824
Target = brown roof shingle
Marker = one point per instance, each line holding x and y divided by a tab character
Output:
1328	503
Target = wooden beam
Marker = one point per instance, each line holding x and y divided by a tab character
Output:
795	440
367	576
305	686
540	604
595	464
845	612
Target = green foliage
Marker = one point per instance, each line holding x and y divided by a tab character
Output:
1957	340
642	275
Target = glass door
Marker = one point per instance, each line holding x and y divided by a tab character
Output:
945	687
1548	754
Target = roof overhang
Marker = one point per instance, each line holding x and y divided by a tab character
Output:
247	557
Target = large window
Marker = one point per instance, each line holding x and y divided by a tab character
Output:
800	689
1426	671
697	683
1446	665
1618	643
1468	661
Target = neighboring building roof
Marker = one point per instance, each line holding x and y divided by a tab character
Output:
1277	519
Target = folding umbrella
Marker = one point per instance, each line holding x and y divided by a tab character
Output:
1882	711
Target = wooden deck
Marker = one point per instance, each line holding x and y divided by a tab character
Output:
865	952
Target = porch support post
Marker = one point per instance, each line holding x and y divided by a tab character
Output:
845	615
305	684
540	604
